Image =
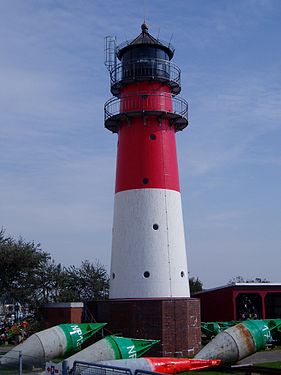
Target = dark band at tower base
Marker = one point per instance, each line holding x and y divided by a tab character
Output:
173	321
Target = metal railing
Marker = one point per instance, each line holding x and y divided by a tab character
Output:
96	369
14	362
145	68
146	102
85	368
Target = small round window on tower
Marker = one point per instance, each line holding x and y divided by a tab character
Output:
152	137
155	226
145	180
182	274
146	274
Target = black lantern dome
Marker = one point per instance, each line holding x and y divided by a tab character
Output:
145	45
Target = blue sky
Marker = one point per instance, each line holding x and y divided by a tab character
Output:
57	161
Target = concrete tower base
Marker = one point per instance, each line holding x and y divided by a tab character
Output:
174	321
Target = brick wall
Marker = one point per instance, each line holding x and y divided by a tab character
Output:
175	322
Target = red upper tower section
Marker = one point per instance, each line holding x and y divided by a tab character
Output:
145	113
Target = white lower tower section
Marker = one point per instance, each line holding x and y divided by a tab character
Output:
148	257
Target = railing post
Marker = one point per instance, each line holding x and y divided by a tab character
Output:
20	363
64	368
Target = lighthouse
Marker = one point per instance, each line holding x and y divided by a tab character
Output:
149	290
148	258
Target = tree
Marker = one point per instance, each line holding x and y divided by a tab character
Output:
240	279
28	275
89	282
49	280
195	285
20	262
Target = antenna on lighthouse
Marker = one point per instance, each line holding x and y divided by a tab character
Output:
158	33
110	52
171	39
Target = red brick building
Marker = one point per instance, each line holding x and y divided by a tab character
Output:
241	301
64	312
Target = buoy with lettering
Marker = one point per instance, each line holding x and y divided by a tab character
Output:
237	342
111	347
50	343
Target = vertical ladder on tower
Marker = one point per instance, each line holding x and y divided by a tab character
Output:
110	52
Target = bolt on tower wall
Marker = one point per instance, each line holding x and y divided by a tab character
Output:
148	257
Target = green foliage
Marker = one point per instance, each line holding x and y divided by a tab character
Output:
240	279
88	282
29	275
20	264
195	285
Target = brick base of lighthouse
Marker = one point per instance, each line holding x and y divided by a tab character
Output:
174	321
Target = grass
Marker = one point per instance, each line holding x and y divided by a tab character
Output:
270	364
